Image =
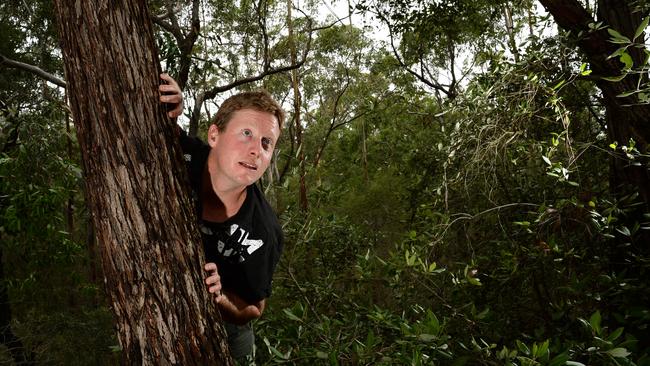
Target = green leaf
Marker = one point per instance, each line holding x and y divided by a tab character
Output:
618	352
547	160
614	79
117	348
322	355
410	258
542	349
291	315
432	322
594	321
583	70
371	340
561	359
483	313
559	85
522	347
624	230
615	334
574	363
276	352
617	37
627	60
426	337
618	52
432	267
642	27
273	350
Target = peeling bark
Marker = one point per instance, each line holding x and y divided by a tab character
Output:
136	187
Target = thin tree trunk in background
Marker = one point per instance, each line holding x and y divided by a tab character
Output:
350	13
531	19
68	139
364	150
136	187
295	82
510	29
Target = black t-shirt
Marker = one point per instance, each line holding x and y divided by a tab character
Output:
247	246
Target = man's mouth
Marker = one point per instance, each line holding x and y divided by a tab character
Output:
248	165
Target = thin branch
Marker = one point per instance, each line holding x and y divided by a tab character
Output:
400	61
211	93
326	26
172	27
172	15
333	124
466	216
176	32
32	69
170	11
187	45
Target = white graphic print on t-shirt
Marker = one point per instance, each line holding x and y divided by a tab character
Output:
243	247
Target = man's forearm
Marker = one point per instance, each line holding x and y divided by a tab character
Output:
236	311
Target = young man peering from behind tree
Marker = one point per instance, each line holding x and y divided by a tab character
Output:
241	235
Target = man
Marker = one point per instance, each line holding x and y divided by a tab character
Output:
241	235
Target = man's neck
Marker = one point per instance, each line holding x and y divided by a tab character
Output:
219	205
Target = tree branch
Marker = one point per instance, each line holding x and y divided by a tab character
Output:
403	65
176	32
267	71
32	69
186	45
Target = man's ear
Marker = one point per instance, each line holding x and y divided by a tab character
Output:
213	134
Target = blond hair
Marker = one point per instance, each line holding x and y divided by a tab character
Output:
259	100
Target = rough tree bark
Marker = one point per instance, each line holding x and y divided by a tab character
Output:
623	122
136	187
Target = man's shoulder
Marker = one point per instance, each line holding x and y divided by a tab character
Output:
195	153
263	216
263	205
192	146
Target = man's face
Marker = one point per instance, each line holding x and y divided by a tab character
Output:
242	151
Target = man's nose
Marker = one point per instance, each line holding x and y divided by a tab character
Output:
255	148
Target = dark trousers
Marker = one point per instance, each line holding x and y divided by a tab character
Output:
240	340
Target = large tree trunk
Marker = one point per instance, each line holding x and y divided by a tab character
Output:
136	187
626	117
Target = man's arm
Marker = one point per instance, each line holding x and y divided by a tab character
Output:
233	308
237	311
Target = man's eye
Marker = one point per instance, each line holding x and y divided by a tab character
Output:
267	143
247	133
